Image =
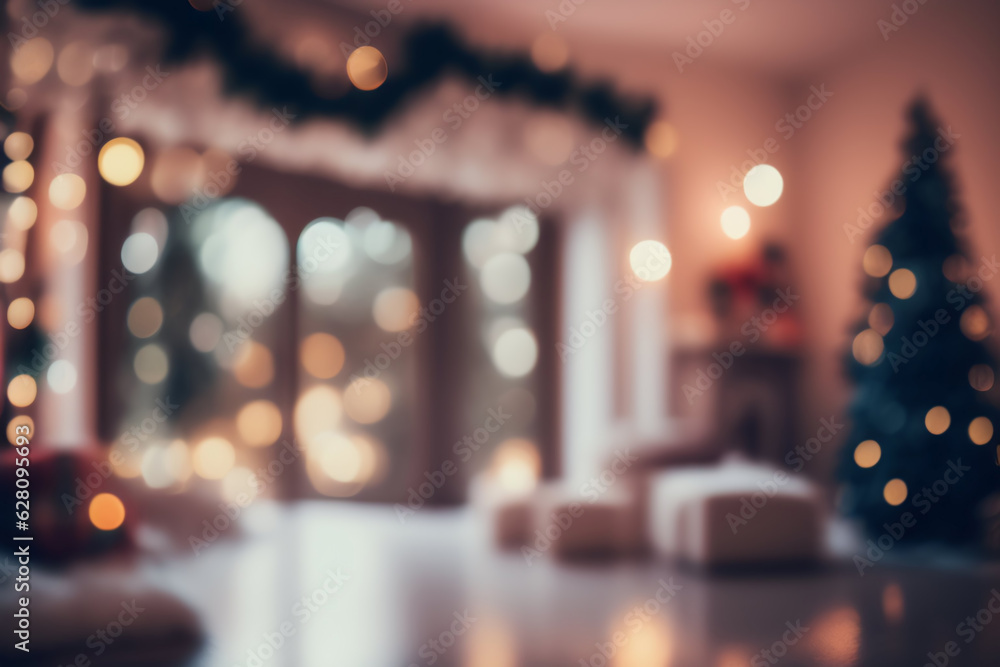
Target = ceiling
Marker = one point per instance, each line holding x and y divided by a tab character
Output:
780	38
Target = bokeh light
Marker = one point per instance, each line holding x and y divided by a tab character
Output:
386	242
140	252
867	347
549	138
650	260
205	331
516	465
981	377
877	261
61	376
881	318
505	278
22	213
517	229
395	309
106	511
213	458
318	409
867	453
895	492
975	323
67	191
75	65
259	423
338	456
166	465
11	265
32	60
367	400
18	145
151	364
145	317
981	430
322	355
20	312
22	390
121	161
735	222
18	176
763	185
902	283
69	238
254	365
937	420
18	422
515	352
366	68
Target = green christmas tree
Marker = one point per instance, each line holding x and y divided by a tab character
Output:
924	409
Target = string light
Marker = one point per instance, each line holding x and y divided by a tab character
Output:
106	511
18	145
763	185
895	492
213	458
975	323
366	68
735	222
67	191
20	312
981	377
867	347
937	420
121	161
877	261
981	430
18	176
902	283
867	453
650	260
367	400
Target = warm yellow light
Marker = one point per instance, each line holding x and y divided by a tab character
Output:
515	352
867	453
981	430
318	409
867	347
22	213
67	191
18	145
881	318
937	420
517	465
763	185
259	423
11	265
339	457
213	458
877	261
735	222
661	139
366	68
895	492
650	260
902	283
32	60
106	511
121	161
20	312
395	309
975	323
322	355
981	377
145	317
18	176
254	365
367	400
151	364
16	427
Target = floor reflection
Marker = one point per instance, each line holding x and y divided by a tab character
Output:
340	583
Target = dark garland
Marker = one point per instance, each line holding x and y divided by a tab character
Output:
430	51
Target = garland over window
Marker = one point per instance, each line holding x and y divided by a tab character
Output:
429	53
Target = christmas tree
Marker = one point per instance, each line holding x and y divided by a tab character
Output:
924	409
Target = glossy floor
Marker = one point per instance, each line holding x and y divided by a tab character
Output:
342	584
